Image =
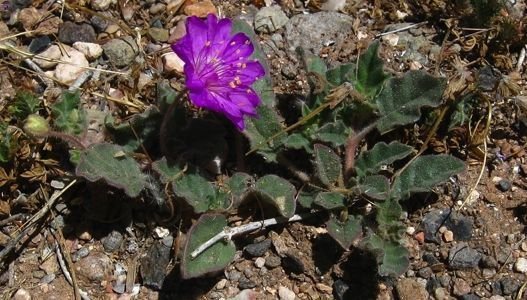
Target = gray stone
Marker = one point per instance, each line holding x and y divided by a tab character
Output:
70	33
461	256
99	23
425	272
122	51
460	225
81	253
504	185
154	264
48	278
245	283
234	275
488	261
113	241
470	297
258	249
39	44
273	261
314	31
270	19
340	288
509	285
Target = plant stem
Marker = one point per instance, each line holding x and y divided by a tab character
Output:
70	139
229	232
351	147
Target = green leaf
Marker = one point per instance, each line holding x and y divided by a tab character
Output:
216	257
8	143
345	233
199	193
336	133
238	184
312	63
330	200
145	125
341	74
168	171
392	257
328	165
424	173
462	111
277	192
371	161
259	130
370	73
69	117
297	141
110	163
375	186
25	103
401	100
306	199
388	217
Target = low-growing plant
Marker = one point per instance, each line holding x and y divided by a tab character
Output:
227	73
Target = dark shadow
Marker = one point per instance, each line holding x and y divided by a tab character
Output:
360	276
326	253
174	287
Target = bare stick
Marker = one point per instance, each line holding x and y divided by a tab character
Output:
351	147
36	217
401	29
229	232
78	292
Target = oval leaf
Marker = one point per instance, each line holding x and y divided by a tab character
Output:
381	154
345	233
277	192
110	163
392	257
424	173
401	100
198	193
330	200
216	257
327	164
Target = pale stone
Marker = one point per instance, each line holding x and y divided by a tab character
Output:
521	265
172	62
73	64
201	9
102	4
90	50
52	53
285	293
22	294
448	236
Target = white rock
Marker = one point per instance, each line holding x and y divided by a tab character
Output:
521	265
172	62
52	53
259	262
102	4
90	50
22	294
410	230
285	293
161	232
73	64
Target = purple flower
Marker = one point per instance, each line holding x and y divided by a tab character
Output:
218	70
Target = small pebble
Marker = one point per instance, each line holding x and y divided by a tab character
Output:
90	50
200	9
22	294
221	284
461	287
273	261
259	262
448	236
521	265
285	293
172	63
410	230
504	185
258	249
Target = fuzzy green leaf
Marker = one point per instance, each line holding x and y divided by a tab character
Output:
110	163
238	184
381	154
306	199
424	173
216	257
260	129
312	63
199	193
375	186
277	192
392	257
389	219
328	165
297	141
330	200
370	73
341	74
145	125
8	143
168	171
25	103
69	117
345	233
335	133
401	100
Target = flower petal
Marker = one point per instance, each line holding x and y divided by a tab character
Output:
250	71
239	47
246	99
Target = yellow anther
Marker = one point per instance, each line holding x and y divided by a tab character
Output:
232	84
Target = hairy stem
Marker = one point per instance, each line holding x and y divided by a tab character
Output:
70	139
351	147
